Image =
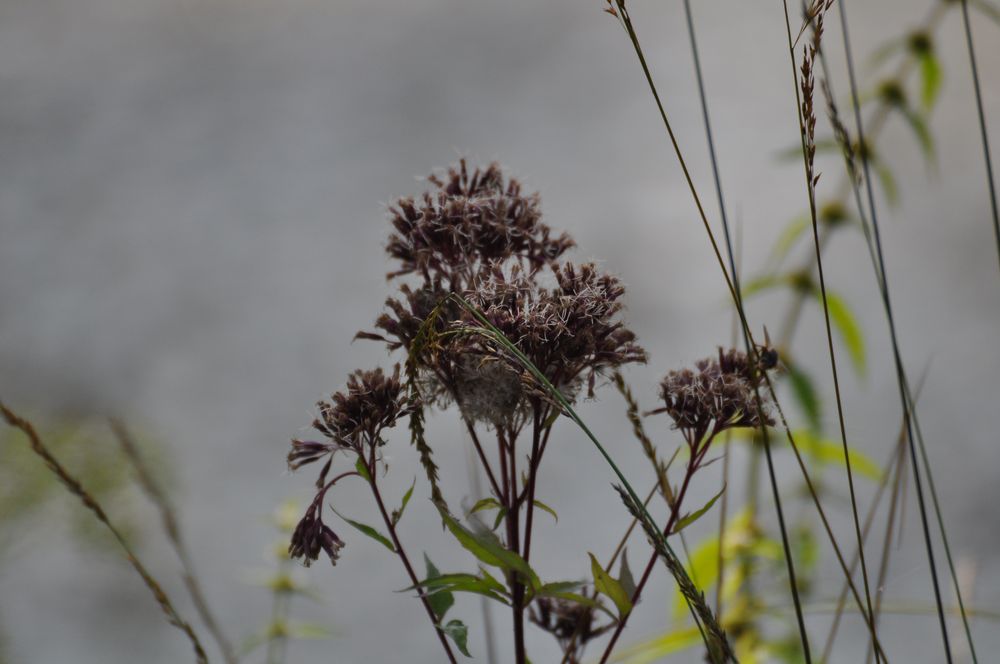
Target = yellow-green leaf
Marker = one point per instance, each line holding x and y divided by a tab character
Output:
370	532
847	327
687	520
828	451
609	586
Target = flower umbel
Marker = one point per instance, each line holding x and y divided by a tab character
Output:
720	394
373	402
470	220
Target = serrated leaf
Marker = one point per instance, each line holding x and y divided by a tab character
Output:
485	546
440	601
542	506
398	514
844	322
369	531
694	516
459	633
805	396
609	586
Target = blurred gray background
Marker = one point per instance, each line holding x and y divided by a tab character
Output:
192	211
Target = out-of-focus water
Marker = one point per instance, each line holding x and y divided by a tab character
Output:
191	220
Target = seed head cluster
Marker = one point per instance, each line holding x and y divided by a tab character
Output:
476	234
351	421
466	222
570	622
719	394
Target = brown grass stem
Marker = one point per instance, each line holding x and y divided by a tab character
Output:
74	486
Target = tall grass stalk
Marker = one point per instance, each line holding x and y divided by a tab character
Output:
807	124
983	134
906	400
74	486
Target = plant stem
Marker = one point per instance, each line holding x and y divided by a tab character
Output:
401	552
675	509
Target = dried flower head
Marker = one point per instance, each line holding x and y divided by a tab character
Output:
469	220
312	536
719	395
374	401
570	332
570	622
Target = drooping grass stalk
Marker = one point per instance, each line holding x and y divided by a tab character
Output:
715	640
900	372
570	648
698	449
807	125
984	136
74	486
171	528
626	22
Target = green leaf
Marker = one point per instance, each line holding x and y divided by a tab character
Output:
691	518
362	469
490	504
828	451
398	514
309	631
786	240
440	601
766	282
609	586
371	532
625	575
886	179
805	395
931	76
459	633
850	333
659	647
485	546
920	129
542	506
462	582
486	504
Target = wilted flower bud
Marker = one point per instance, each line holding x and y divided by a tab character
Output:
312	536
